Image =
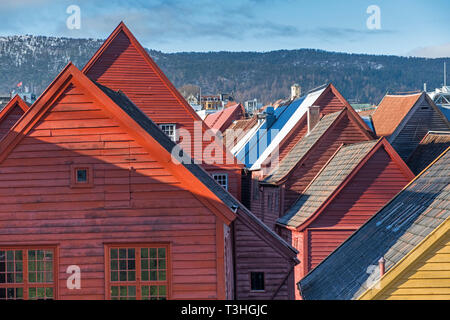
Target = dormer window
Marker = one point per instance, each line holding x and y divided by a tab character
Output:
222	179
170	130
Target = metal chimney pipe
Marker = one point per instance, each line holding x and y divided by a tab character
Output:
381	264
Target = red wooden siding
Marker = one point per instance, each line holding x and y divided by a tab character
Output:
322	242
10	120
123	66
134	199
370	189
345	131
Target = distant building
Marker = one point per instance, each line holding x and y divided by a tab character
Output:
215	102
252	106
4	99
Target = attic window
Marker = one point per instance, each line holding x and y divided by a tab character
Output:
169	130
81	176
222	179
424	108
257	281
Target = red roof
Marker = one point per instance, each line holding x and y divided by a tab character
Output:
223	119
391	111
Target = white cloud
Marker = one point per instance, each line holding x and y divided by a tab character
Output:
439	51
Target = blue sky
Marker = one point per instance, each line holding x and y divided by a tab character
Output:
408	27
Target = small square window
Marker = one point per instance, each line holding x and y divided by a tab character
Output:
82	175
257	281
222	179
169	130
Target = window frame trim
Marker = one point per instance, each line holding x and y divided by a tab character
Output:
56	261
222	174
175	135
139	245
73	176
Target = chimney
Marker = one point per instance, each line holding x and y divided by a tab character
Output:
270	116
381	264
296	91
313	117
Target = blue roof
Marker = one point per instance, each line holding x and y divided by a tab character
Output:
445	110
264	135
368	121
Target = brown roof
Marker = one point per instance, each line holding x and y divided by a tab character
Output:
431	146
301	148
240	128
391	111
366	113
334	173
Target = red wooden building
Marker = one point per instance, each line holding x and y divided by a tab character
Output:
353	185
87	180
123	64
11	113
287	181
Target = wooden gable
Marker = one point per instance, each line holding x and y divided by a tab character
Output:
134	193
11	113
123	64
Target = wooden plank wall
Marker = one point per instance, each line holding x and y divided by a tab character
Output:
133	199
10	120
122	67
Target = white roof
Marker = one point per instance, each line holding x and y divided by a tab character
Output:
290	124
241	143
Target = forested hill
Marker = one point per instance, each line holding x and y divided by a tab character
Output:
36	60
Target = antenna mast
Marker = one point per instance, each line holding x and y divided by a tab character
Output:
445	74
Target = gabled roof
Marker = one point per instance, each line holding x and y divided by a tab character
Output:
193	177
238	129
138	76
391	111
310	99
332	178
302	148
16	101
431	146
422	206
222	119
122	31
437	237
10	114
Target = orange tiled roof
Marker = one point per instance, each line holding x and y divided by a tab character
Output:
391	111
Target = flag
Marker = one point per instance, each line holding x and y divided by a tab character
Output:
19	84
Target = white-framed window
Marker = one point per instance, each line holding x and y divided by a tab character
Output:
222	179
170	130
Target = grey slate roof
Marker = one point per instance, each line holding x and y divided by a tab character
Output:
326	182
392	233
301	148
155	131
431	146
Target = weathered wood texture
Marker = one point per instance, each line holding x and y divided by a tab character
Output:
133	199
123	66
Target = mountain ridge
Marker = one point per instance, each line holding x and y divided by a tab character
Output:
267	76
